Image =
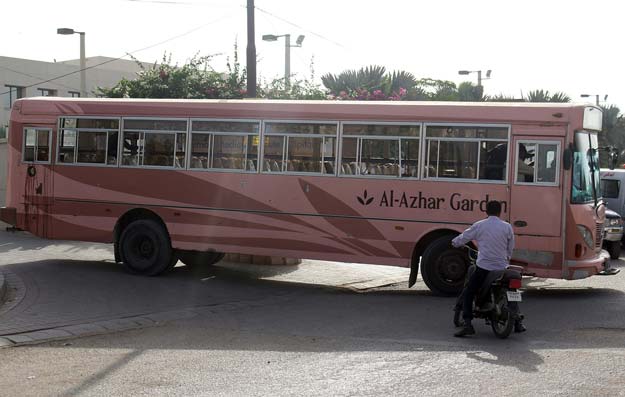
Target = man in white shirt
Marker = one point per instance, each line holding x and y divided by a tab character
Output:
495	240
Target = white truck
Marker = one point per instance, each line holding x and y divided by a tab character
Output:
613	193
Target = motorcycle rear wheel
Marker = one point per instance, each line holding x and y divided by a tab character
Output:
503	322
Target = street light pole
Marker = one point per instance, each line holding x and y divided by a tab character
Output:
605	98
83	66
287	61
287	53
479	75
83	59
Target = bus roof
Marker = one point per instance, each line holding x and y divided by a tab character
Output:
494	112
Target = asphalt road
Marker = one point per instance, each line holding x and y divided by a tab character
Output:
241	335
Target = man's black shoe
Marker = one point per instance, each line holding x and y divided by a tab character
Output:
519	327
466	330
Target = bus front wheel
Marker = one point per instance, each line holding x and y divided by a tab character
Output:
145	248
443	267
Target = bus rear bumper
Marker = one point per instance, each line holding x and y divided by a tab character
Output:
576	270
8	215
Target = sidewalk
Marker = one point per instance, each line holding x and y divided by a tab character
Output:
353	276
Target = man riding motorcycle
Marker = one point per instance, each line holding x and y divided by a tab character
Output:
495	240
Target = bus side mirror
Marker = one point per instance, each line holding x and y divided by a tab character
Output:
568	157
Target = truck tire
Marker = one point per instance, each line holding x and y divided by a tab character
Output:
443	267
145	248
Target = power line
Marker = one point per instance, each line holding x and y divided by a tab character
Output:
123	56
299	27
34	77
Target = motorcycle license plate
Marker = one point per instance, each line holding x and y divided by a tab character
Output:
514	296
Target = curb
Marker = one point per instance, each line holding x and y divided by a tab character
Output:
3	288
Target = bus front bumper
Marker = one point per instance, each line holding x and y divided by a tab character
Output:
576	270
8	215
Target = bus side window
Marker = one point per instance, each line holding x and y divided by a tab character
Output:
547	154
36	145
537	162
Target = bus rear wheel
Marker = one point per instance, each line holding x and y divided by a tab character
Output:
443	267
145	248
197	258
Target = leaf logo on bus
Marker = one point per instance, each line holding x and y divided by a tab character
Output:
364	200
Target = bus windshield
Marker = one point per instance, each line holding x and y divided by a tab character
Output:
585	168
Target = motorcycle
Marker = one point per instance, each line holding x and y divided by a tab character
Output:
496	300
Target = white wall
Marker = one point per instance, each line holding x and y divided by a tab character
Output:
31	74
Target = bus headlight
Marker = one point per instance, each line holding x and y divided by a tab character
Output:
586	234
614	221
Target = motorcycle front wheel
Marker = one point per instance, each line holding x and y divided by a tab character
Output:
501	320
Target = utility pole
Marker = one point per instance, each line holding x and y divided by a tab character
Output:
251	51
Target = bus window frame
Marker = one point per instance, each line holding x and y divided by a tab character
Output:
35	161
211	135
283	168
537	142
77	130
425	151
359	139
141	153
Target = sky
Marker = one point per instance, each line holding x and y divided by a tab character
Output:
569	46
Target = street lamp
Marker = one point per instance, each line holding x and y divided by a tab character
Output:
605	98
83	62
479	75
287	52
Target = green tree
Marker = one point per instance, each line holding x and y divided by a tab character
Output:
372	83
195	80
298	88
545	96
468	91
503	98
612	135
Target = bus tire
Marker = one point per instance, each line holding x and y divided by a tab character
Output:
145	248
443	267
614	248
197	258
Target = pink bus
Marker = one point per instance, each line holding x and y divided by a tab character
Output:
370	182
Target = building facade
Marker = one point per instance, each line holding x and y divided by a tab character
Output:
20	78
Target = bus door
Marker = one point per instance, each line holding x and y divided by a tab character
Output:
38	188
536	186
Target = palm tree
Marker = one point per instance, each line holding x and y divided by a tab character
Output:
544	96
503	98
369	78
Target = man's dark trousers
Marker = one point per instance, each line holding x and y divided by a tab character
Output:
473	285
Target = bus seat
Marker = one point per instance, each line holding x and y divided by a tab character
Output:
217	163
274	166
251	166
468	172
267	166
196	162
328	167
345	169
290	166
